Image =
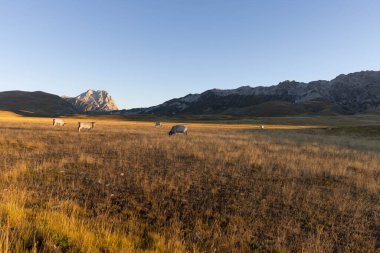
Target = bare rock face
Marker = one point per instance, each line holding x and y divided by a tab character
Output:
93	101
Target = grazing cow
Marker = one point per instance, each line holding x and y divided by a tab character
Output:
178	129
58	122
158	123
85	126
261	127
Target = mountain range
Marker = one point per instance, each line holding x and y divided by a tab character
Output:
357	92
346	94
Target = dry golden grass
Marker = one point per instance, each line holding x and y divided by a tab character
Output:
129	187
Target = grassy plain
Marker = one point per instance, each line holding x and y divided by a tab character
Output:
226	187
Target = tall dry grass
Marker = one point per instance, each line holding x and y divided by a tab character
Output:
131	188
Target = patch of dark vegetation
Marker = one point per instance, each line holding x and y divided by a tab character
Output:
35	243
356	131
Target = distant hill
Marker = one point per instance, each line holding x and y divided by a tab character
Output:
93	101
346	94
35	103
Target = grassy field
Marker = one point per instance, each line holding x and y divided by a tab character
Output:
299	185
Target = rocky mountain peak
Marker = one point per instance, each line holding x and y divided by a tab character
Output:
93	100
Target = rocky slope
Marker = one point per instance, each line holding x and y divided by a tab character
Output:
35	103
347	94
93	101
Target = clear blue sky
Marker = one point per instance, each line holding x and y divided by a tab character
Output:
145	52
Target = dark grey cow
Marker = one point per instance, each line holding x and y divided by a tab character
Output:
178	129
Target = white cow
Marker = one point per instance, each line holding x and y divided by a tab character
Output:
85	126
261	127
158	123
58	122
178	129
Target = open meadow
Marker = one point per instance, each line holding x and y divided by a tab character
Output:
128	187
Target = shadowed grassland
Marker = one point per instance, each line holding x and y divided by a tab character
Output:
341	120
128	187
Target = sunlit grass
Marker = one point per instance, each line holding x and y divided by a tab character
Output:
129	187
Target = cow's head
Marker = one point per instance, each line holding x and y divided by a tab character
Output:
171	133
